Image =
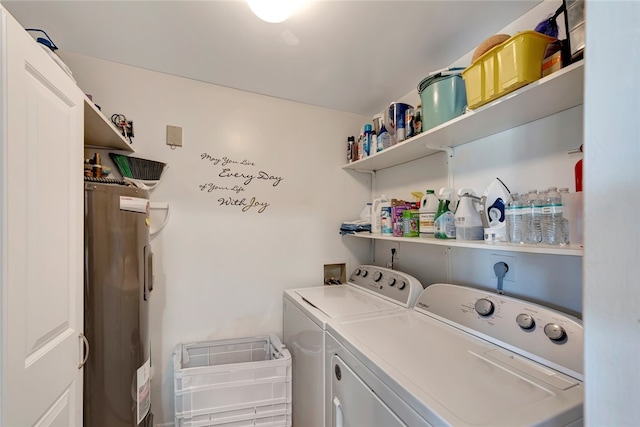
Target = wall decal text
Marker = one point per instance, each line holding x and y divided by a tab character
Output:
236	176
228	201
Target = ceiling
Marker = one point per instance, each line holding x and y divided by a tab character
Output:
353	56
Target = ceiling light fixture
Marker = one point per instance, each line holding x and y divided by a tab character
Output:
273	11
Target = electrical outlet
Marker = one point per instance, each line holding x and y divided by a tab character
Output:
174	136
396	246
511	262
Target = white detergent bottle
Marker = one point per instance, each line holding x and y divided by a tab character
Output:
376	212
428	210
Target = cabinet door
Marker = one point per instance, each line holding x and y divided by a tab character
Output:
41	217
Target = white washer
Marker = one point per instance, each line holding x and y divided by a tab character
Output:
461	357
370	290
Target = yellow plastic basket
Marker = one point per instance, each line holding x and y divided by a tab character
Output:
505	68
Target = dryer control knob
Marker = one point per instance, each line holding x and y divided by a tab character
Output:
402	285
484	307
358	271
554	332
525	321
377	276
364	273
391	281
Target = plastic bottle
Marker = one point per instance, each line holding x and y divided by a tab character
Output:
428	209
535	229
531	218
417	120
366	140
374	143
539	207
578	172
350	149
551	218
376	213
384	139
410	223
386	222
565	221
444	222
513	218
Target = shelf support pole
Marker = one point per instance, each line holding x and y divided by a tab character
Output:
449	152
449	264
373	178
372	245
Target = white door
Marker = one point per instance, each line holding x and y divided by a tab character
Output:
41	217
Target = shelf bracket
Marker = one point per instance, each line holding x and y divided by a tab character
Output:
449	152
159	206
373	176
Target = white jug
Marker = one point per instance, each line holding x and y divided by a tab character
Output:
376	212
467	217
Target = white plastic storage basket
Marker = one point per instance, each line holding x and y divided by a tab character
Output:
237	382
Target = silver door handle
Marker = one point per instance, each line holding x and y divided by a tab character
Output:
339	415
85	350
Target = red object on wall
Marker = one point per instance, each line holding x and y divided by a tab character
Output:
578	173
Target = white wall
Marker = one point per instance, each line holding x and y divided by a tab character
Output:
612	234
219	271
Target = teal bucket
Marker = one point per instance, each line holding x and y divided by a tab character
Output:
443	98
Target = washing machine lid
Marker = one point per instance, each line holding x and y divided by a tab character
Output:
331	302
452	377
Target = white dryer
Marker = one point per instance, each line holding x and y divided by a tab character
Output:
370	290
461	357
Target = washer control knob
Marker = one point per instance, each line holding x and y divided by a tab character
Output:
364	273
391	281
525	321
484	307
402	285
554	332
358	271
377	276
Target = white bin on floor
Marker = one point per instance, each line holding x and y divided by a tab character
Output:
236	382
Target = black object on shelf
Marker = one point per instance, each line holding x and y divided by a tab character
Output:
138	168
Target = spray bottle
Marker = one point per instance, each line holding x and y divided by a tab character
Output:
444	223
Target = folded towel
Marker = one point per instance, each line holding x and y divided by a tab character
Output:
347	228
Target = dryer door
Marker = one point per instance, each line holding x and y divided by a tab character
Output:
354	404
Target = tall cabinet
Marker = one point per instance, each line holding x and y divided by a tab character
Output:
42	133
